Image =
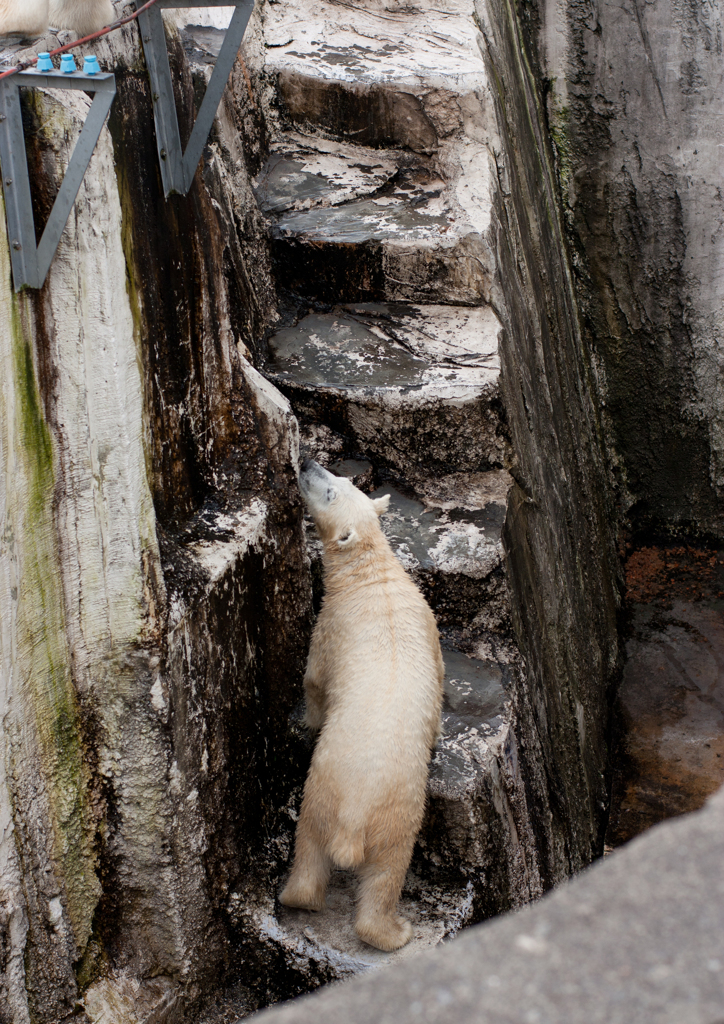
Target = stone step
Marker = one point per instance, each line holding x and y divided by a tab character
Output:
452	548
476	834
414	388
350	224
304	173
323	947
388	75
463	869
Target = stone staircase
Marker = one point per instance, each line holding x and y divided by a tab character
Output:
377	194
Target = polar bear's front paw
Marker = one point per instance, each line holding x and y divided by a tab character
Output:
386	932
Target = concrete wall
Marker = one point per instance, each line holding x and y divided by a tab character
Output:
560	531
634	101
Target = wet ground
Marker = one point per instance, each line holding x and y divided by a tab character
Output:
670	714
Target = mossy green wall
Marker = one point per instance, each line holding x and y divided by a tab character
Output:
45	719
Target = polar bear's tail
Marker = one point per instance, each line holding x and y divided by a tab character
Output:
347	850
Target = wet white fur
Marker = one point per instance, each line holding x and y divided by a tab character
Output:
374	688
31	18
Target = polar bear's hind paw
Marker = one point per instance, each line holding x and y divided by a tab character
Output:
386	932
302	897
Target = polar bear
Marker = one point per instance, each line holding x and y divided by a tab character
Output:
30	18
374	688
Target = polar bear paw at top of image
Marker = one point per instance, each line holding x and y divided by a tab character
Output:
31	18
373	688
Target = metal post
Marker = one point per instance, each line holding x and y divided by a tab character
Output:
31	262
178	167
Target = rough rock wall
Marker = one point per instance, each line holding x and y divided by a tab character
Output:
635	93
560	527
154	596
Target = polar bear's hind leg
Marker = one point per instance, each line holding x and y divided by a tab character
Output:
308	880
381	881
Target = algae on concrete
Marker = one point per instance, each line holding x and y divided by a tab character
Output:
43	665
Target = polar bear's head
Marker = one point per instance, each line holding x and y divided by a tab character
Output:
343	515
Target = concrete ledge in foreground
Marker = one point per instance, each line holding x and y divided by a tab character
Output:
637	939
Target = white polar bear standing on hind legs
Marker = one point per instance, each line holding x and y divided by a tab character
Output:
374	688
30	18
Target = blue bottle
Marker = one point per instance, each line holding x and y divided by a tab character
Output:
67	64
90	65
44	62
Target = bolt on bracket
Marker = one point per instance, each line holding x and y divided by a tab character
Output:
30	261
178	167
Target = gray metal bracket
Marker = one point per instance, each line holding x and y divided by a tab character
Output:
31	262
178	167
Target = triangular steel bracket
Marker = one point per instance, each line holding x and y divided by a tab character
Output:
178	167
31	262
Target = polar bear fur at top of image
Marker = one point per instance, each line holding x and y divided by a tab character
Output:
373	687
83	16
23	18
30	18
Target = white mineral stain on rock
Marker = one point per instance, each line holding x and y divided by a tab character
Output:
378	44
247	529
303	173
121	998
466	549
158	697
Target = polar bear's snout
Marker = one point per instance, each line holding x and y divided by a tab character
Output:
319	488
340	510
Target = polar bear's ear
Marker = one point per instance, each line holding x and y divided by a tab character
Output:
348	538
381	504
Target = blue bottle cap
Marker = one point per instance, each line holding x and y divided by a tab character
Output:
67	63
44	62
90	65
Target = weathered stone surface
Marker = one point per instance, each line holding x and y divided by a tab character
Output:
305	173
634	99
413	236
414	388
404	79
602	949
559	533
298	951
477	836
79	564
671	703
455	554
388	75
154	593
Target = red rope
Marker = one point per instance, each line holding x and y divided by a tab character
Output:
86	39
